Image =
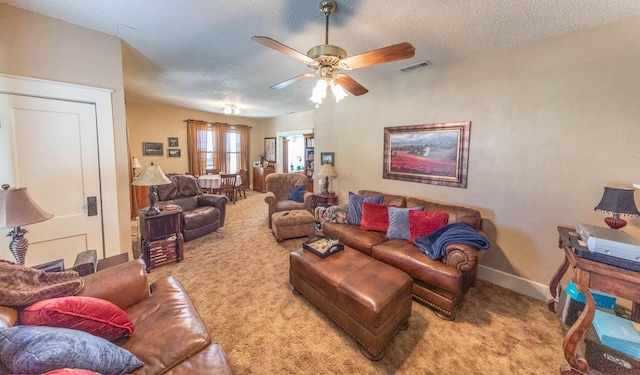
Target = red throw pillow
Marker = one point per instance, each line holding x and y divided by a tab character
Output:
92	315
422	223
70	371
375	217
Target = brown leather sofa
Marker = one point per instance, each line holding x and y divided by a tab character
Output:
278	187
440	284
169	336
201	213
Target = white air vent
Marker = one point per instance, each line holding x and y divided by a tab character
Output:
415	66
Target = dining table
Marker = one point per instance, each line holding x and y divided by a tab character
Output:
212	181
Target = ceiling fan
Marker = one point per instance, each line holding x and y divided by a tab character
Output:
328	60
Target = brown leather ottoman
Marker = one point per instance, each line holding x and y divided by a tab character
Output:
367	298
292	224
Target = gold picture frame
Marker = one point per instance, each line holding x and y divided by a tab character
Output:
430	153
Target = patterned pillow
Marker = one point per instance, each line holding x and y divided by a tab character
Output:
399	223
335	214
354	213
36	350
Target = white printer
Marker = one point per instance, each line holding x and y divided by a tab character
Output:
612	242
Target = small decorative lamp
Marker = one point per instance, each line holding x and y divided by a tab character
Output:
135	164
326	172
617	201
18	209
152	176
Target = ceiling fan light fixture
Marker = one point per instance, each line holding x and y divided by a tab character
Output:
230	109
319	92
338	92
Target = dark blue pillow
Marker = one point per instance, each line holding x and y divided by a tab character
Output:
36	350
354	213
297	194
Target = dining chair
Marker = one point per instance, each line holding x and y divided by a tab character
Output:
228	186
213	171
241	189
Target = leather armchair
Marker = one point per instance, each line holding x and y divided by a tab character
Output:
278	187
169	337
201	213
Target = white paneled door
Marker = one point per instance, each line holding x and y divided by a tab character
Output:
51	147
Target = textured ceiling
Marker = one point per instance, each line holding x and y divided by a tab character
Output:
199	53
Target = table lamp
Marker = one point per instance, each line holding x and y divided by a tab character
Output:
617	201
326	172
18	209
151	176
135	164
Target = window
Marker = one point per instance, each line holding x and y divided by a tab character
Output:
211	148
233	151
217	146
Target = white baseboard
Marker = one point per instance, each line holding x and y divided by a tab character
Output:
515	283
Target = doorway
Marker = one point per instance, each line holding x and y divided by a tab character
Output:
37	170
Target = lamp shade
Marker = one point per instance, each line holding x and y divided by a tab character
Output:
18	209
327	171
135	163
151	175
618	201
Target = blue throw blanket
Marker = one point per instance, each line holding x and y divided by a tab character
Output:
435	243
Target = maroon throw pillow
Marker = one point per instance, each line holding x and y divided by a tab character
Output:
92	315
375	217
421	223
71	371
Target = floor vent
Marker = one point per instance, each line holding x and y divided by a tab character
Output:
415	66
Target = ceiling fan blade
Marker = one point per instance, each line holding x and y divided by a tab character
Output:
395	52
282	48
286	83
350	85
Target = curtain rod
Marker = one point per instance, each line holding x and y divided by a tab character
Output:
219	123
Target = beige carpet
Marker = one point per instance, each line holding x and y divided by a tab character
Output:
238	280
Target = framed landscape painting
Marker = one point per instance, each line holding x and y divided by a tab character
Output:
152	148
431	153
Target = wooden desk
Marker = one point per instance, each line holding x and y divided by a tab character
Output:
588	274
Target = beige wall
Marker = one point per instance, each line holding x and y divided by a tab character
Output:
35	46
552	124
156	122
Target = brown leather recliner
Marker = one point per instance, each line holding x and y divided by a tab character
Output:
278	187
201	213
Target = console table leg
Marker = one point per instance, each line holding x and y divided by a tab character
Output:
553	285
573	343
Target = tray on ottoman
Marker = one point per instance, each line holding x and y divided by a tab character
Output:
321	246
370	300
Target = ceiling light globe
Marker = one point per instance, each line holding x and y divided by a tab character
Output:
338	92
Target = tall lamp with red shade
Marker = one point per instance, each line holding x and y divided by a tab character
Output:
617	201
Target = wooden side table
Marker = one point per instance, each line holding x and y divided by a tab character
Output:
320	204
161	237
321	200
588	274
